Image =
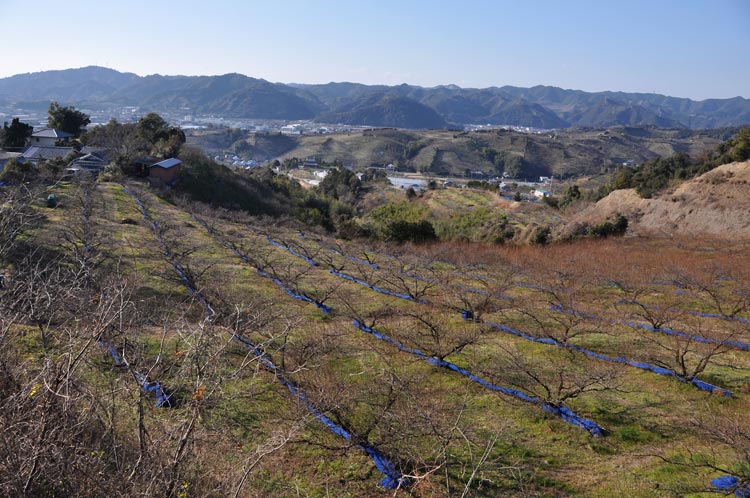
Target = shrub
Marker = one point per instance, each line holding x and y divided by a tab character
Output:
617	226
407	231
341	184
479	225
350	229
540	235
18	171
480	184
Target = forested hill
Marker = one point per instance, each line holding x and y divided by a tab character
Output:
403	106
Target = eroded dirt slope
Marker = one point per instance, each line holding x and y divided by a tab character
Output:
716	203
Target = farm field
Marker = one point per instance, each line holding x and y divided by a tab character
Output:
292	363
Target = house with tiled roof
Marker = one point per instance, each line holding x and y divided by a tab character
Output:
49	137
36	153
87	163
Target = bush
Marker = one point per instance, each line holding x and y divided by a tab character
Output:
350	229
398	211
407	231
401	222
374	175
341	184
18	171
479	225
572	195
551	202
540	235
618	226
479	184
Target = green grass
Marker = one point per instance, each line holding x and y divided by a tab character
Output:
343	366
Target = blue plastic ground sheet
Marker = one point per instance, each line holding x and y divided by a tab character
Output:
664	330
375	287
163	395
680	311
565	413
358	260
324	308
309	260
393	478
704	386
727	484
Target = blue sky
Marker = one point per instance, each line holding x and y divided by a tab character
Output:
686	48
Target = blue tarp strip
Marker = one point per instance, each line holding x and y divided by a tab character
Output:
324	308
727	484
392	480
690	312
358	260
531	286
310	261
704	386
163	396
177	266
673	283
457	286
665	330
375	287
566	414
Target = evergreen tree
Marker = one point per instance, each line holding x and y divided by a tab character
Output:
67	119
15	135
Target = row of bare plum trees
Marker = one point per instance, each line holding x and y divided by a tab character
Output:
73	423
681	319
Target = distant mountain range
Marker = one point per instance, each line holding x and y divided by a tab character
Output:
404	106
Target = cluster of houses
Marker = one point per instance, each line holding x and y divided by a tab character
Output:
49	143
236	160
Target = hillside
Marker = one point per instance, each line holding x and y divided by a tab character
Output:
152	346
564	153
715	203
86	84
392	111
404	106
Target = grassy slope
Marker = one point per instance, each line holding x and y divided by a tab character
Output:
644	416
562	153
447	205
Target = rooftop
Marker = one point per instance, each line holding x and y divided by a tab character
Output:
51	133
36	152
167	163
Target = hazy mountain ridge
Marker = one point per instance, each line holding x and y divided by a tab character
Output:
405	106
386	110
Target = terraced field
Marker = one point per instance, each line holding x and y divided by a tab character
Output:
295	364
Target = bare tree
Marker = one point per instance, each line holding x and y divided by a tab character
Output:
16	215
561	377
